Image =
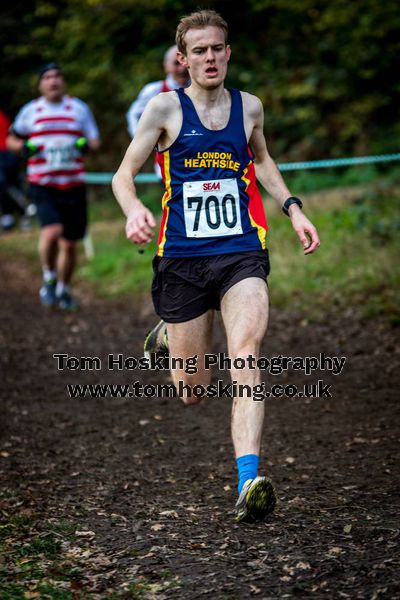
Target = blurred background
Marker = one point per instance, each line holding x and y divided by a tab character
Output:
327	72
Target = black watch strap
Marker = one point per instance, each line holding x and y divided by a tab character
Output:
289	202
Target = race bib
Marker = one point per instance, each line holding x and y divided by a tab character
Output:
212	208
60	155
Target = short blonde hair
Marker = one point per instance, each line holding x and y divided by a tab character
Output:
198	20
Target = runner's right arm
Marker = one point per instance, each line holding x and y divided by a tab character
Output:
140	221
14	143
20	129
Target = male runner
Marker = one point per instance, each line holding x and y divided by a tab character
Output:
176	77
54	132
212	241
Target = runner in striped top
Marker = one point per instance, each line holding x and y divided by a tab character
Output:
54	132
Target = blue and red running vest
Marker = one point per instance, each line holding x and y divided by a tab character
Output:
211	203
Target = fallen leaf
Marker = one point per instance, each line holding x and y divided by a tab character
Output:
296	500
85	533
23	561
198	545
335	550
169	513
255	590
288	569
117	516
157	526
148	555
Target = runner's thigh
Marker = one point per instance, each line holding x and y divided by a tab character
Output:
244	310
191	337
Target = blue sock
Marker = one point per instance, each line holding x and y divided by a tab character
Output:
247	467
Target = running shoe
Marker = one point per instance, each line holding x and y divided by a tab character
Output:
156	341
47	293
67	302
257	500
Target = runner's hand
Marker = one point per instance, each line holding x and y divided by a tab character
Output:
305	230
82	145
29	149
140	225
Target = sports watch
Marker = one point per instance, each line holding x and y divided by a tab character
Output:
289	202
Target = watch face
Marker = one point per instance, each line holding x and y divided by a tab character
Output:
289	202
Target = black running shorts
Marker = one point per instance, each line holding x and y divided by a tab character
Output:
185	288
67	207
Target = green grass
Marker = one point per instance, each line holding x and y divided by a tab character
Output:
32	558
37	562
47	545
118	268
356	264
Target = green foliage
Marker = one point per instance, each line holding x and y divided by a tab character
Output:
48	546
326	72
314	180
33	564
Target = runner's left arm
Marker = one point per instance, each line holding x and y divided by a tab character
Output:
271	179
90	129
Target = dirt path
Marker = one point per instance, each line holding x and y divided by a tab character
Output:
133	498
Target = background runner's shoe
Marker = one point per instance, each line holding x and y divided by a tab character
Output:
47	293
257	500
67	302
156	341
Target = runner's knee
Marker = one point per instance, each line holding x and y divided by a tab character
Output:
190	401
243	351
191	388
67	245
52	233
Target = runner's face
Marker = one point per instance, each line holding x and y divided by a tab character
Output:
52	85
207	56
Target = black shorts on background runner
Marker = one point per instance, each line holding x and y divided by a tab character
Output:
185	288
68	207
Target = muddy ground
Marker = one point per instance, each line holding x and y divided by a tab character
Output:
133	498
